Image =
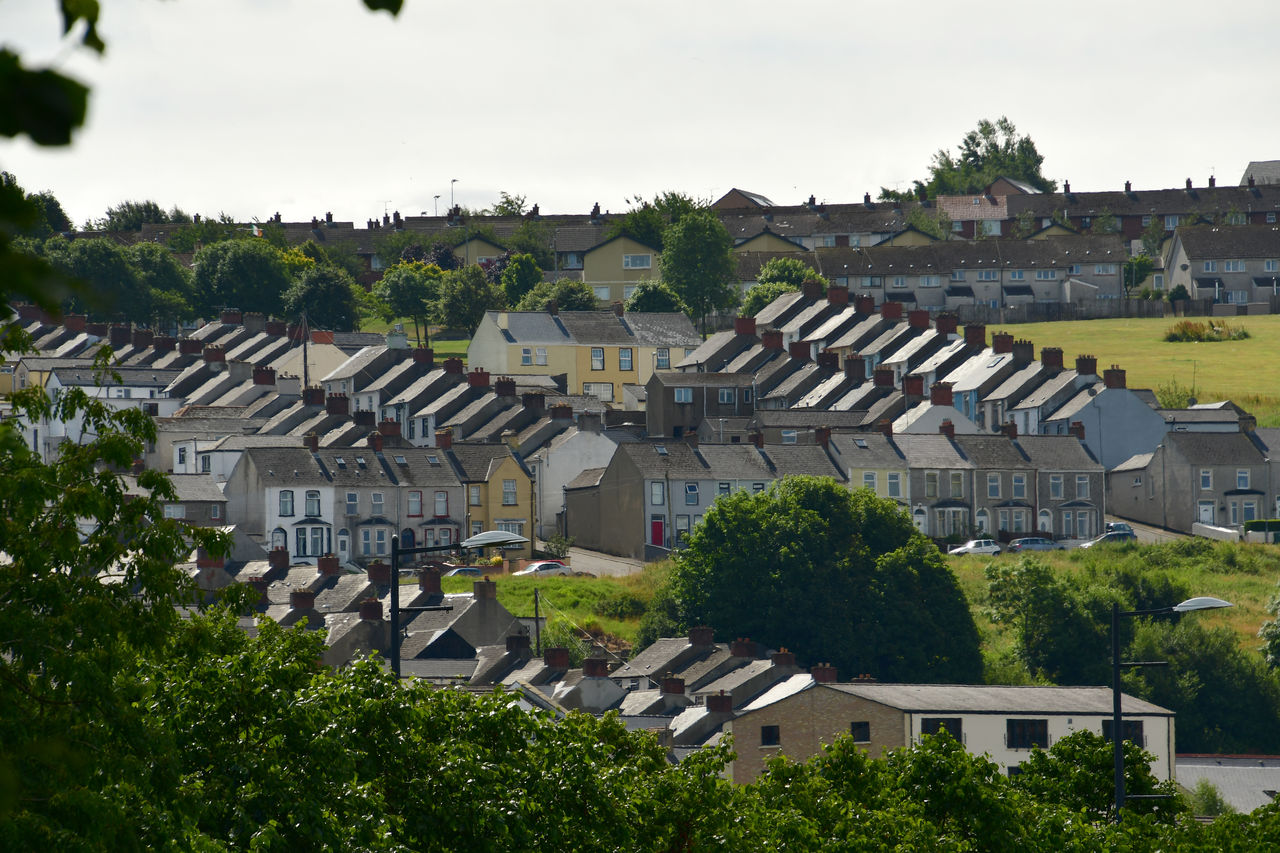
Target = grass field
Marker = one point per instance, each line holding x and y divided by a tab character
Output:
451	348
1246	372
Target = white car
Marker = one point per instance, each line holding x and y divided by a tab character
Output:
977	546
544	568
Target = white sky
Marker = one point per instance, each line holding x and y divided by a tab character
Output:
307	106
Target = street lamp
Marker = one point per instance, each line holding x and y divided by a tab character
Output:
1117	738
487	539
451	183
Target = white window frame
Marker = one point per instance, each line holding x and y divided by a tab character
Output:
415	503
509	493
626	360
993	486
1055	487
869	480
540	355
691	496
637	262
657	493
1018	491
1242	478
597	358
682	394
893	484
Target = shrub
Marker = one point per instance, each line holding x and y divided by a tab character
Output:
1193	330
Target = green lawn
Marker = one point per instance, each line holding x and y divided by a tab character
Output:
1247	372
452	347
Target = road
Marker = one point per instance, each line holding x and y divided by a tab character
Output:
603	565
1148	534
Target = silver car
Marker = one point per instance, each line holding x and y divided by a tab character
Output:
977	546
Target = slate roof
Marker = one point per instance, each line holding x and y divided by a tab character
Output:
930	451
1249	242
1058	452
998	699
1246	782
995	451
144	377
1156	202
1046	391
1214	448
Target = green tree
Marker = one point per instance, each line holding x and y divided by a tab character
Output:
931	221
411	289
1153	237
245	274
566	293
790	271
465	295
166	281
760	296
835	575
327	295
114	290
646	222
520	275
533	237
654	296
990	151
1135	271
132	215
191	236
509	205
698	264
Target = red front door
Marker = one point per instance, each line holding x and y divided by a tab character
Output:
657	531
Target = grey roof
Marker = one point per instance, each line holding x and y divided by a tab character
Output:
1214	448
1136	462
998	699
1050	388
654	659
146	377
1246	782
596	327
707	462
787	687
994	451
588	478
978	369
780	309
1230	241
1058	452
362	360
930	451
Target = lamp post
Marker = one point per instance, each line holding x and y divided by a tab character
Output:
1117	735
487	539
451	183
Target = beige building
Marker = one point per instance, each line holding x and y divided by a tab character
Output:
1003	723
613	268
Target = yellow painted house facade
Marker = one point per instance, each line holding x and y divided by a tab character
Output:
613	268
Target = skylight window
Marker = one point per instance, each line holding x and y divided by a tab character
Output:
340	462
661	449
400	460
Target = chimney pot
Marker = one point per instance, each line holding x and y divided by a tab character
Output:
379	572
1086	365
891	310
721	703
484	589
742	648
595	668
371	610
1113	377
823	673
429	581
744	325
701	635
337	404
453	365
327	565
556	657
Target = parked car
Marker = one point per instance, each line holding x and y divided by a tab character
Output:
977	546
1120	526
544	568
1112	537
1035	543
464	571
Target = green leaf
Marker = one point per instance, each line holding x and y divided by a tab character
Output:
43	104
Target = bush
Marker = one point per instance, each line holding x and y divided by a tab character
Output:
1193	330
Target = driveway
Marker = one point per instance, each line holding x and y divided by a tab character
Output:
603	565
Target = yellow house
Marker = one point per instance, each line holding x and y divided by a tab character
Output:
498	487
614	267
910	236
767	241
598	352
477	250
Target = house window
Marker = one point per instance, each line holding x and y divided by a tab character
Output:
899	281
789	436
206	464
182	456
930	281
508	492
637	262
1250	510
662	358
627	290
1024	734
473	495
957	484
624	358
894	484
931	484
657	493
572	261
376	503
1146	220
366	542
691	494
991	227
957	275
415	503
1271	266
601	292
317	541
1046	275
597	358
1017	275
215	511
987	275
1271	218
1019	486
1104	269
683	395
1242	478
380	541
722	488
353	503
869	480
860	731
286	502
539	355
175	511
936	725
526	355
442	504
746	396
1132	730
1074	269
1082	486
725	396
827	241
300	542
871	280
599	390
1171	222
982	521
1210	266
313	503
993	485
770	736
682	528
757	487
1157	281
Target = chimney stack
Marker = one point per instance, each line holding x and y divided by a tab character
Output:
721	703
975	335
311	442
424	356
278	559
429	581
164	343
1024	352
337	404
918	319
141	337
946	324
453	365
389	428
1051	357
828	360
1002	342
823	673
865	304
744	325
478	378
364	418
374	440
302	599
885	427
1113	377
855	368
822	436
1086	365
742	648
505	387
701	635
883	378
940	394
231	317
838	295
595	668
327	565
556	657
518	644
371	610
947	428
617	309
379	572
1010	429
562	412
673	686
812	289
444	438
1077	429
484	589
799	350
756	438
264	375
214	354
275	328
313	396
912	387
188	346
771	339
534	401
891	310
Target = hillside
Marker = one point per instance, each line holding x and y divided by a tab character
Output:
1234	370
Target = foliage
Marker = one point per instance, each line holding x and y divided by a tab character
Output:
132	215
411	289
1153	237
112	289
1213	331
558	546
1078	773
761	296
1269	633
191	236
990	151
509	205
327	295
520	276
790	271
566	293
1174	395
698	264
560	633
1179	293
1135	272
832	574
167	281
647	221
465	295
245	274
654	297
534	238
1205	800
931	221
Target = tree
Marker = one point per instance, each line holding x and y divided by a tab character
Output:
465	295
534	238
509	205
410	289
567	294
113	290
191	236
520	275
132	215
1153	237
698	264
832	574
655	296
167	282
327	295
245	274
647	221
790	271
929	221
990	151
1136	270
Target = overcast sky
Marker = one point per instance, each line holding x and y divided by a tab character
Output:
307	106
